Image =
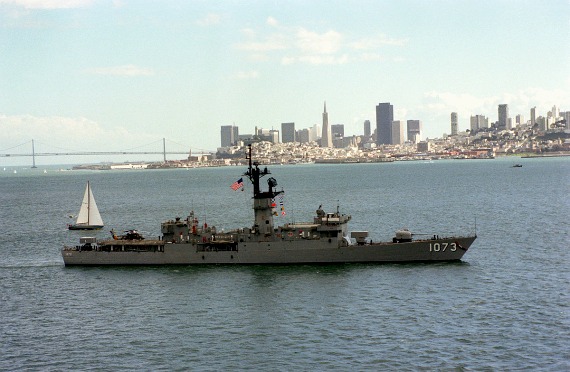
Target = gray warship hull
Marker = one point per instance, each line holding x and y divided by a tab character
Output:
275	252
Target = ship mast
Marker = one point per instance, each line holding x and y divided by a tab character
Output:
261	199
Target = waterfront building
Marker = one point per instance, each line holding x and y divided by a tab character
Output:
504	116
229	135
326	138
414	130
384	119
288	132
397	132
423	147
454	123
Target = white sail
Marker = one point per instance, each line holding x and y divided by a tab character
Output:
89	213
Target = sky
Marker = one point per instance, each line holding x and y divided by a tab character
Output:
102	75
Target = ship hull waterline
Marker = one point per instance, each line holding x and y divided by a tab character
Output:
278	252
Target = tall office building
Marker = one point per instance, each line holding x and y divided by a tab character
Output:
337	130
304	135
566	116
478	122
504	116
384	119
367	132
326	138
414	130
397	132
454	123
315	132
533	116
288	132
229	135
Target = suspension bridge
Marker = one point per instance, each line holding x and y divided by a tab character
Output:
65	152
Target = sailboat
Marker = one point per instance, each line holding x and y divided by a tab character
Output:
89	217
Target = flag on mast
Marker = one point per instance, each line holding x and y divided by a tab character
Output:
237	185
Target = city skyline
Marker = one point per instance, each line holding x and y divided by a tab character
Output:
116	74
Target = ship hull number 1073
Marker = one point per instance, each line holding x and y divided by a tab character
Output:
442	247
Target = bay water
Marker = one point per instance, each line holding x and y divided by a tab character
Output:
505	306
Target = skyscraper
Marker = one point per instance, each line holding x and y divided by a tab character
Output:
397	132
414	130
533	116
288	132
478	122
337	130
454	123
504	116
229	135
367	131
326	139
384	119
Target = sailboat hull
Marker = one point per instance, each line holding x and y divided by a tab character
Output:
85	227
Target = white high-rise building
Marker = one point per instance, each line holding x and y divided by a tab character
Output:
397	132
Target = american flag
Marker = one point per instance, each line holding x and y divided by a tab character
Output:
237	185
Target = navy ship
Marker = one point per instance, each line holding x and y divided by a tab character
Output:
324	240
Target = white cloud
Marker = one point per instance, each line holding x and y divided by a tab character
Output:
270	43
293	45
125	70
328	43
245	75
316	59
209	20
372	43
48	4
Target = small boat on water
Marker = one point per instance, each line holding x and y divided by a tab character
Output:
517	166
89	217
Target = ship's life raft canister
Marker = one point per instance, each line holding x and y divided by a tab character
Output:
403	235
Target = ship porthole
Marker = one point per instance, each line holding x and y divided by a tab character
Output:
330	240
